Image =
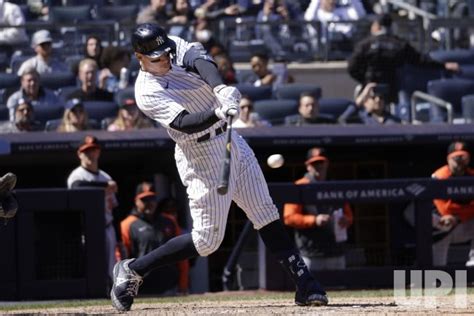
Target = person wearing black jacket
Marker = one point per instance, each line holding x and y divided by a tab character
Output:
377	57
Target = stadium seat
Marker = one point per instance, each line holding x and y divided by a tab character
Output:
98	110
294	90
8	84
127	93
70	14
64	92
462	56
57	80
16	61
119	13
4	114
95	3
275	111
465	72
255	93
452	91
468	108
52	125
410	79
333	107
48	112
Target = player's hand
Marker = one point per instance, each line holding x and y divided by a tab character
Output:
448	221
227	110
229	99
322	219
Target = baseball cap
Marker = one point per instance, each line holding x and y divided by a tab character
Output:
127	102
72	103
144	190
40	37
458	148
315	154
88	142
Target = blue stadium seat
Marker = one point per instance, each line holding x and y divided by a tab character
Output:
255	93
119	13
334	107
8	84
462	56
57	80
468	108
275	111
452	91
52	125
4	113
64	92
98	110
410	79
70	14
49	112
294	90
465	72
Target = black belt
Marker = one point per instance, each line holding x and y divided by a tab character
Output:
207	136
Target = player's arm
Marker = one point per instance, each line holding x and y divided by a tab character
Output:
194	122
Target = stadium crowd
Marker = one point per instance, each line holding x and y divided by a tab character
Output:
46	62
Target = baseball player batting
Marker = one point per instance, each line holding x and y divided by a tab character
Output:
179	86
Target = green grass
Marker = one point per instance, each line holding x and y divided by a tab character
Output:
210	297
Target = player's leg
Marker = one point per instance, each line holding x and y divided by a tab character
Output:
251	194
440	251
462	233
209	213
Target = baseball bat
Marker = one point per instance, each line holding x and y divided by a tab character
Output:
225	163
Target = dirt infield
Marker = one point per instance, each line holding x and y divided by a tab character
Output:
262	303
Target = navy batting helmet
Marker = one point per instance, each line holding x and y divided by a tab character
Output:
151	40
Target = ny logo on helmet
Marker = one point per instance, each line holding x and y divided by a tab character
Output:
159	40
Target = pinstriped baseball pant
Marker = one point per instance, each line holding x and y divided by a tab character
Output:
199	166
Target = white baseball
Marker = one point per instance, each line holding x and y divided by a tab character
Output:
275	161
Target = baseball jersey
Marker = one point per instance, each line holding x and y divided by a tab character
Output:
82	174
162	98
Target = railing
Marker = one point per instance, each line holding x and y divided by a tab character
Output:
418	95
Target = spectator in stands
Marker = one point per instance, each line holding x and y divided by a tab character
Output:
262	75
156	12
93	49
11	15
226	68
145	229
38	9
129	118
320	230
204	35
454	217
44	61
247	117
213	9
24	119
114	75
88	174
370	107
377	58
308	112
32	92
277	34
327	11
75	117
89	91
181	19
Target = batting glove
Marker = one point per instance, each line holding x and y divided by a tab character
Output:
229	99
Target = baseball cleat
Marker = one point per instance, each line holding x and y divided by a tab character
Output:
312	295
126	284
7	183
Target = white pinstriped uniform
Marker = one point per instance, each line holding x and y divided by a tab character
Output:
162	98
